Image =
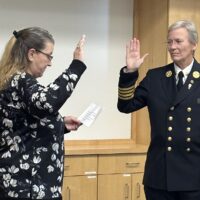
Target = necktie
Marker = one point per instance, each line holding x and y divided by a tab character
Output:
180	80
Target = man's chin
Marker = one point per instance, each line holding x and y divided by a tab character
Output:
175	59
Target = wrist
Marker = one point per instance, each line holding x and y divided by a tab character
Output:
129	70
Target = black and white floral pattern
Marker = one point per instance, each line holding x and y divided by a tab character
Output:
32	135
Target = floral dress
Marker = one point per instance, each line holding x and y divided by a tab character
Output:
32	135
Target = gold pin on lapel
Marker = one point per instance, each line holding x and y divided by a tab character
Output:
196	74
168	73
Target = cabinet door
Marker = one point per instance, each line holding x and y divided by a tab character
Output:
114	187
137	187
121	163
80	165
80	187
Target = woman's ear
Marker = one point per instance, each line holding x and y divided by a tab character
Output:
31	53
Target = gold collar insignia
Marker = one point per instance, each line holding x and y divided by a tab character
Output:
196	74
168	74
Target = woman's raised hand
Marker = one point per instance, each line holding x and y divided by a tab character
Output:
78	52
133	59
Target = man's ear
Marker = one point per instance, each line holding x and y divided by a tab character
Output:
194	48
31	53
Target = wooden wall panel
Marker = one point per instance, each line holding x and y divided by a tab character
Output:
185	9
151	19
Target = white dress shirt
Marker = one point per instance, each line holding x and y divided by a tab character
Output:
185	71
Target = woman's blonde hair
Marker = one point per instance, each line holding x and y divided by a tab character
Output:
15	56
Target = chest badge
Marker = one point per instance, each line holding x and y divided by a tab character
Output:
196	74
168	74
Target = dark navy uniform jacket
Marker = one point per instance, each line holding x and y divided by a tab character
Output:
173	157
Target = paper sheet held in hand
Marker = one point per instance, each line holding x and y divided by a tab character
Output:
90	114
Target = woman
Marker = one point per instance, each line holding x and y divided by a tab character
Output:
31	128
172	168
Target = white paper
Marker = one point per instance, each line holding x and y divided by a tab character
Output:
90	114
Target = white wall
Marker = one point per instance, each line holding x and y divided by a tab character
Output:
108	25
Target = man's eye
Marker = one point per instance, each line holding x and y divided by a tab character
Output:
179	41
169	42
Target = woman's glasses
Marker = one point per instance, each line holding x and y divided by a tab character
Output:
50	57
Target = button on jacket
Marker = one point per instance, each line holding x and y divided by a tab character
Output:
173	157
32	135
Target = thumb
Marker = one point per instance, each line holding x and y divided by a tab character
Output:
144	56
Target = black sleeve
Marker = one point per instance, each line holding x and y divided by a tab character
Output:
40	100
130	98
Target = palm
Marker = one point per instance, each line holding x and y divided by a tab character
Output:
133	59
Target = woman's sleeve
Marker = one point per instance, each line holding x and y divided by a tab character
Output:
40	100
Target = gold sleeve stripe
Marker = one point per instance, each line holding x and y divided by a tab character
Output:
126	93
126	98
128	88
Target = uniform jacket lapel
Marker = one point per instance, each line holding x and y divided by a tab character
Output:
168	82
192	82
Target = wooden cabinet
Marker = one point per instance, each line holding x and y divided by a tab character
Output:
80	187
137	187
121	187
114	187
80	165
104	176
120	177
80	179
121	163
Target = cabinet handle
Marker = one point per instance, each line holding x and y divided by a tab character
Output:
126	191
66	167
132	164
68	193
90	173
138	190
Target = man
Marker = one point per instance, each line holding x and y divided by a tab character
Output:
172	170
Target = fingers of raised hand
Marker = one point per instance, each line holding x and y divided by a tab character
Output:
81	42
